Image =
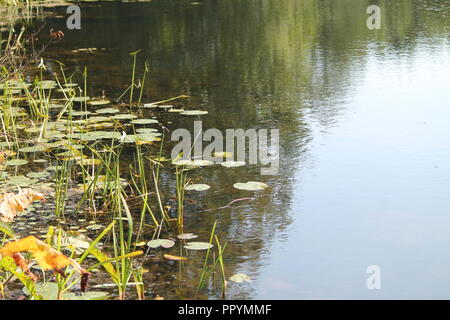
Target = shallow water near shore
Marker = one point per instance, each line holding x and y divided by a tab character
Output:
364	171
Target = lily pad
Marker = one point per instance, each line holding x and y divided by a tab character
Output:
232	164
80	113
81	99
38	175
124	116
38	148
187	236
16	162
95	227
144	121
107	110
198	246
146	130
99	102
193	112
240	278
192	163
197	187
165	243
250	185
49	291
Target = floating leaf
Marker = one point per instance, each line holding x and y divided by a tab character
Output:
240	277
107	110
38	175
16	162
187	236
49	291
99	102
174	258
80	113
193	163
98	119
250	185
198	246
165	106
148	130
197	187
81	99
193	112
124	116
144	121
38	148
232	164
165	243
95	227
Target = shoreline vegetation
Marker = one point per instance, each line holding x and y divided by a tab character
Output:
88	169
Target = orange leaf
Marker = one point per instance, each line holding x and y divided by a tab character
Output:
174	258
46	256
12	203
19	260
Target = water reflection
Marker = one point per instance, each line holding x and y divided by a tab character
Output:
300	66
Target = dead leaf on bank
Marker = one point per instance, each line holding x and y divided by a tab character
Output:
12	203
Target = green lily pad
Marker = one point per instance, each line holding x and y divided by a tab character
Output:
150	105
49	291
38	175
107	110
98	119
37	148
198	246
232	164
187	236
95	227
70	85
193	112
99	102
165	243
197	187
124	116
16	162
80	113
192	163
146	130
55	106
250	185
81	99
47	84
144	121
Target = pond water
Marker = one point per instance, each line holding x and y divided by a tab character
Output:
364	175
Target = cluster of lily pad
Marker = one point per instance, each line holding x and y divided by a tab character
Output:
167	243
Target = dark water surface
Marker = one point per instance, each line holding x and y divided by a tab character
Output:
363	115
